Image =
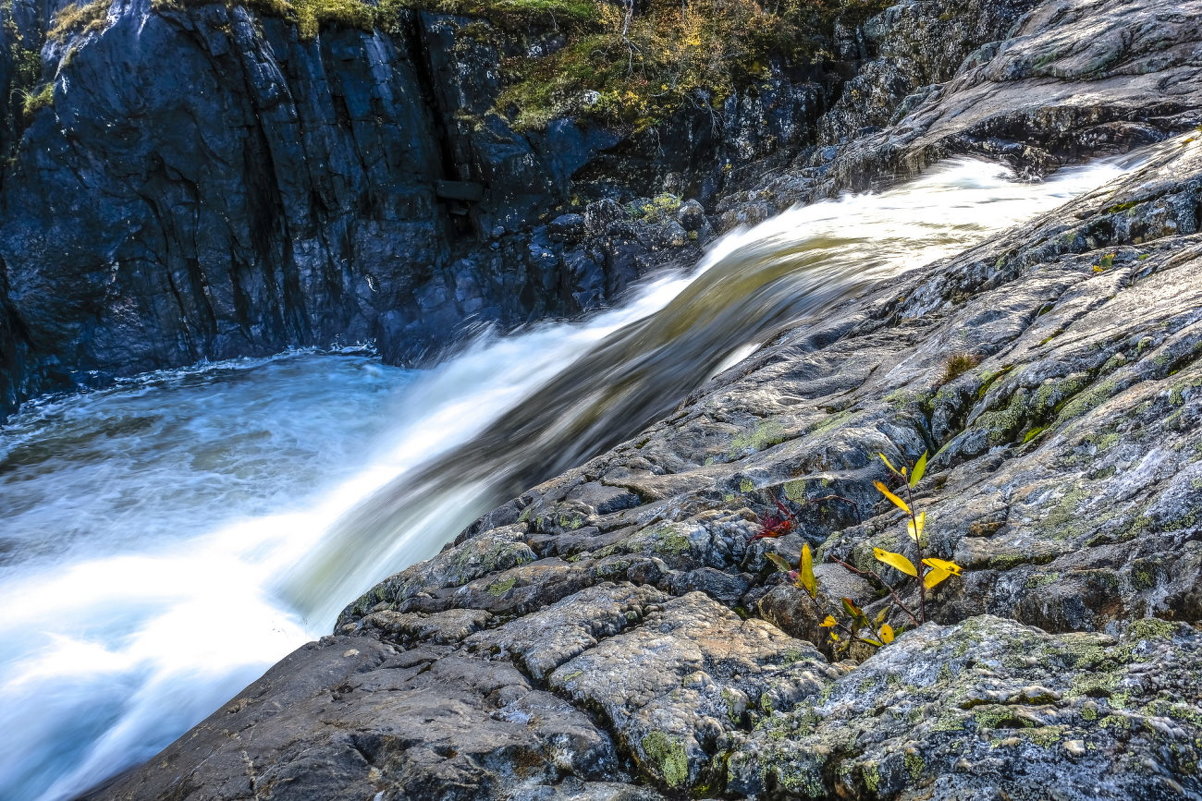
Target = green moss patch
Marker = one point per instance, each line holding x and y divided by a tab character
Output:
499	588
667	756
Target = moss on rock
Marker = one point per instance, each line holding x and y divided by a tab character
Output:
667	756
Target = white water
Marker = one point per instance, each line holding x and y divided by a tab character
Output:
152	531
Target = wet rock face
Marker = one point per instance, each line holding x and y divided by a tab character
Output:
266	190
914	45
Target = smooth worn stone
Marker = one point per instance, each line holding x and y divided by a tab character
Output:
359	727
675	685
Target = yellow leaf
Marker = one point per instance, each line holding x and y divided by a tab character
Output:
806	577
834	636
920	470
830	622
943	564
889	464
886	633
898	502
934	576
895	561
916	532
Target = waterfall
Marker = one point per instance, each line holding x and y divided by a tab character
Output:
750	284
167	539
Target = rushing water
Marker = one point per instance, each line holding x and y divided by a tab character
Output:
166	540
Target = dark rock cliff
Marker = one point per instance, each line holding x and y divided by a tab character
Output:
617	633
200	180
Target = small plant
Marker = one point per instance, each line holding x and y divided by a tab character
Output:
657	208
79	18
25	70
32	101
848	623
857	627
929	572
957	365
774	526
1104	263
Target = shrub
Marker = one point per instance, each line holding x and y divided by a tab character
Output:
24	95
639	66
847	623
32	101
622	61
309	15
517	15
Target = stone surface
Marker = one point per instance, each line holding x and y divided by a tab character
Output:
1067	79
627	611
674	687
353	717
991	709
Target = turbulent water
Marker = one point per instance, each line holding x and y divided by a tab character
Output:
166	540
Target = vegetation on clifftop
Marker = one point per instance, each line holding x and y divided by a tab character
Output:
616	62
639	63
79	18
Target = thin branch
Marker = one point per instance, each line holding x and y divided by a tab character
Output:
919	567
855	506
880	581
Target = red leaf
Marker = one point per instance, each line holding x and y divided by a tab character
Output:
773	527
